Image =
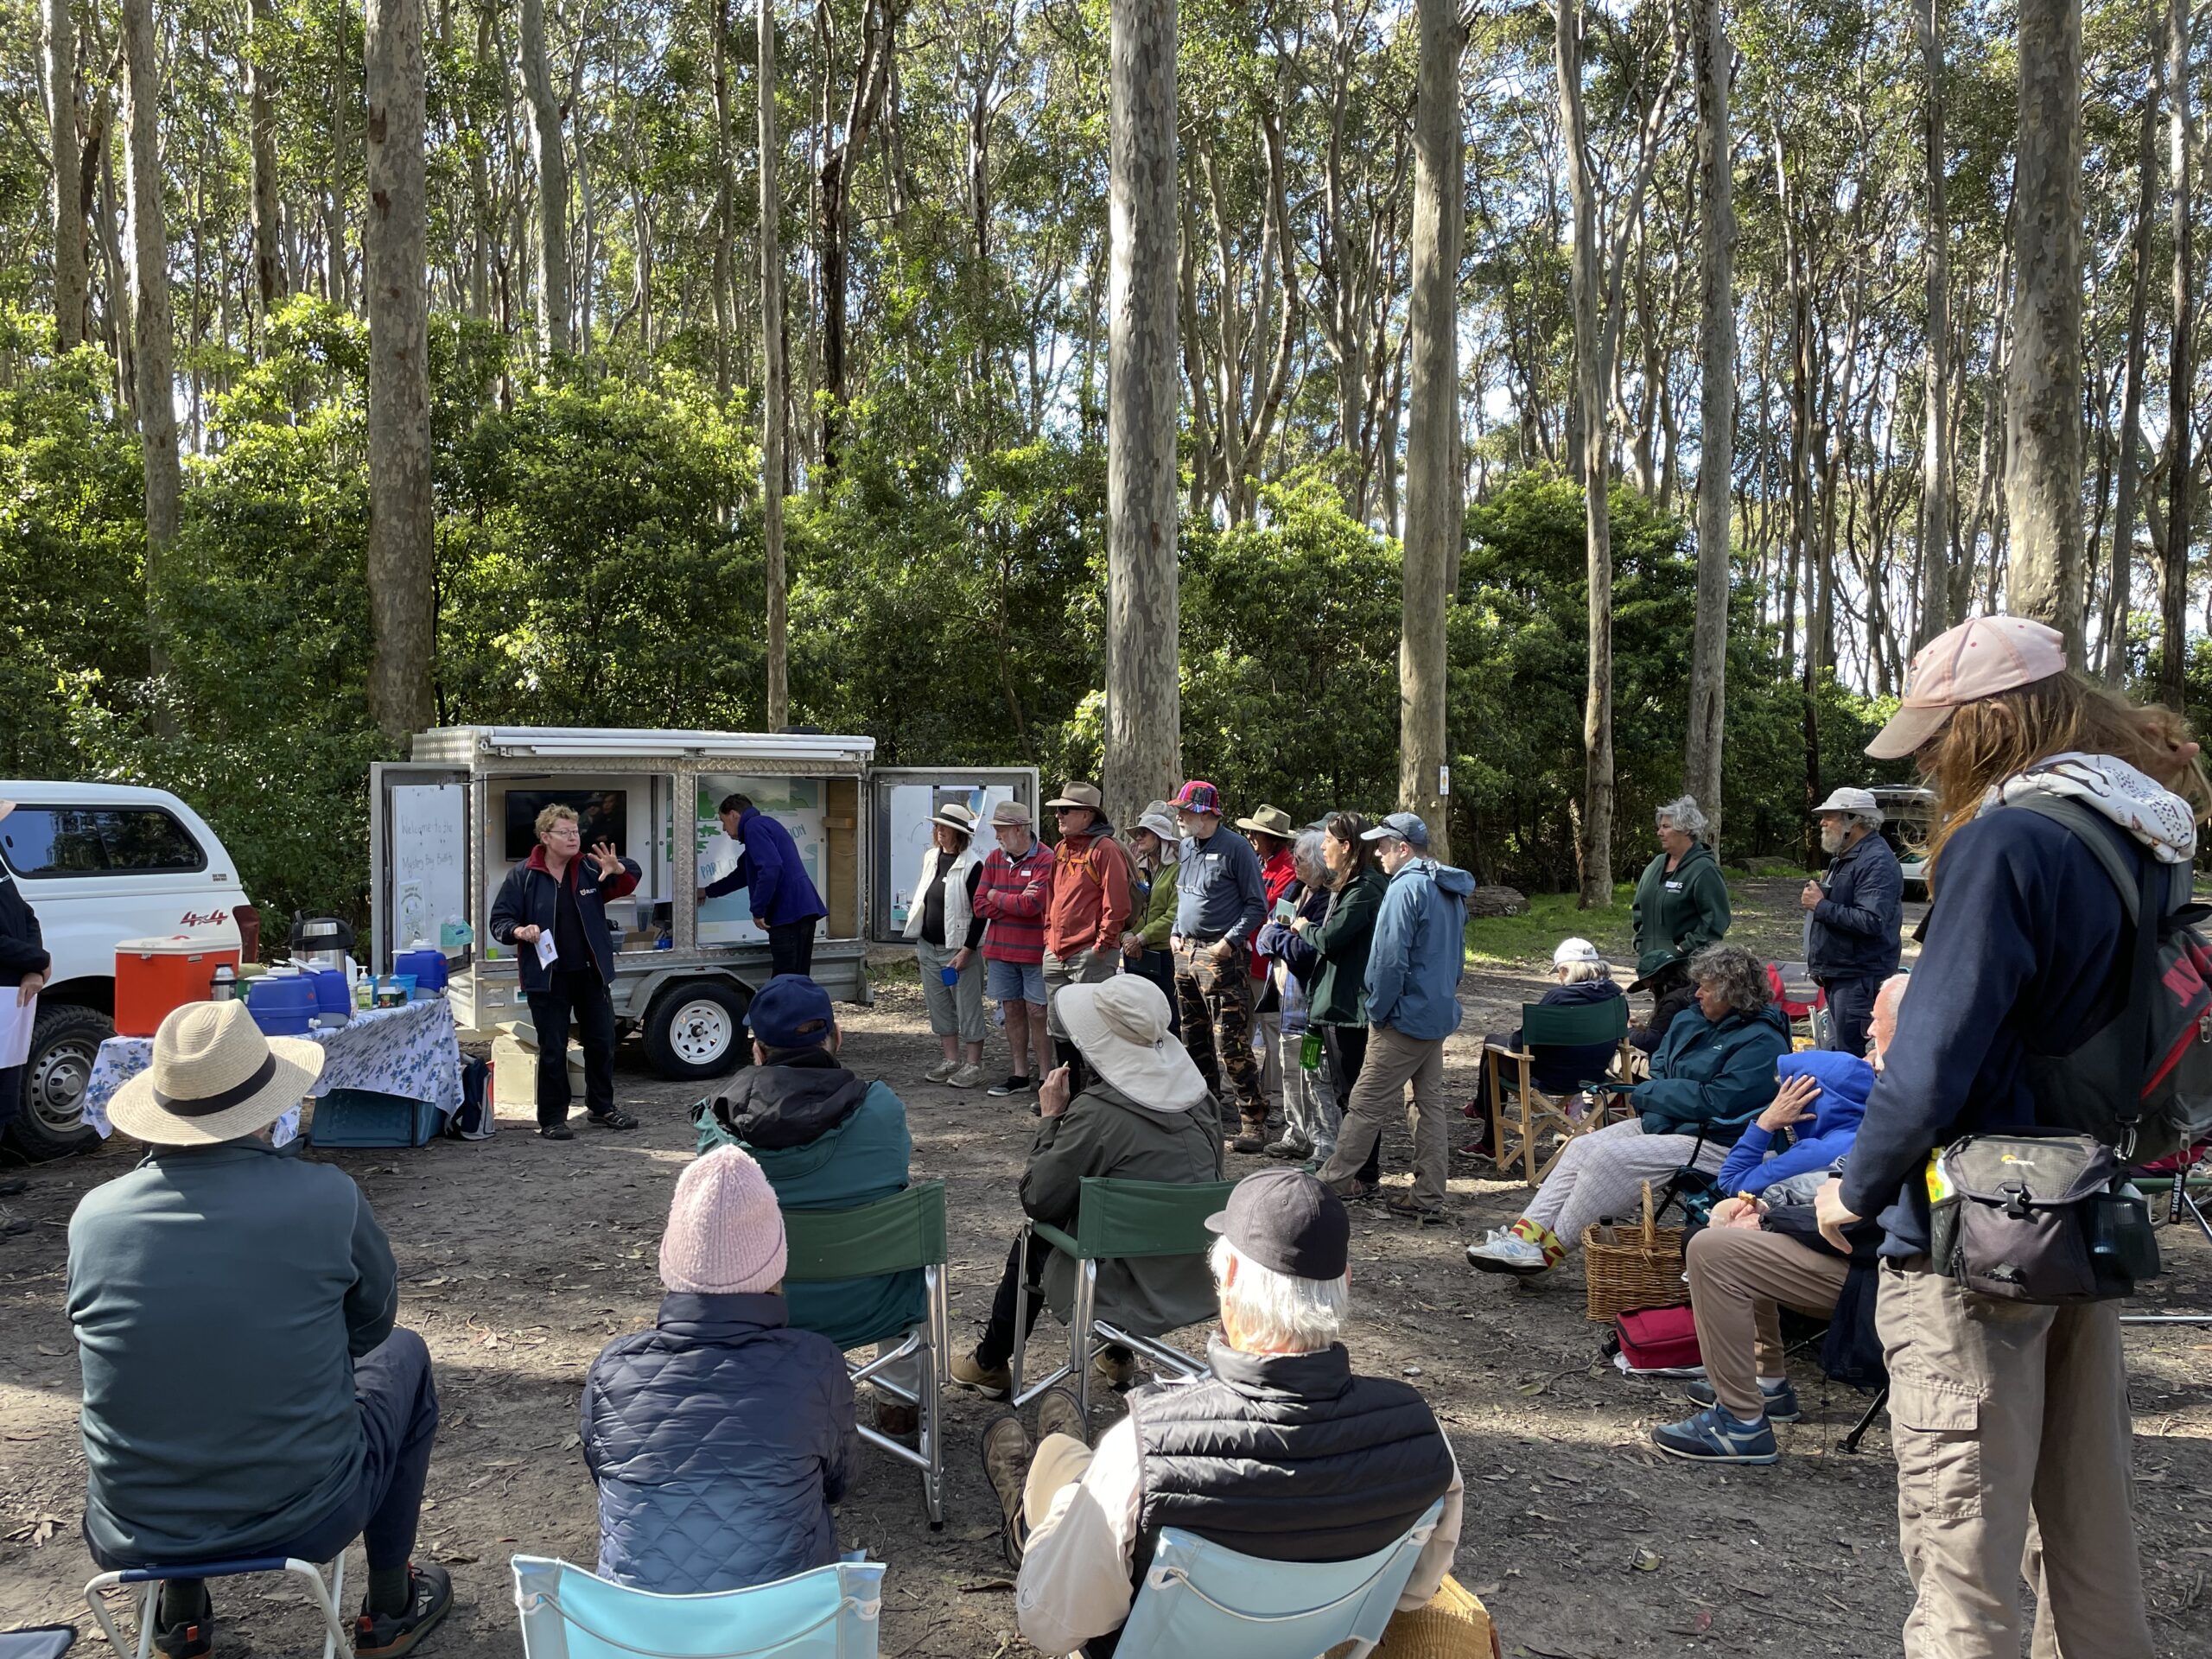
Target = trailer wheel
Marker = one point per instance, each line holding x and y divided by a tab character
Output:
697	1030
49	1119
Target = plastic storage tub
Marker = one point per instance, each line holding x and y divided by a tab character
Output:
154	977
282	1005
362	1117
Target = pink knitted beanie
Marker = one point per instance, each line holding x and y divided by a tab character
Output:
725	1234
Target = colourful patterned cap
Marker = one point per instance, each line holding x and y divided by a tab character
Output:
1198	796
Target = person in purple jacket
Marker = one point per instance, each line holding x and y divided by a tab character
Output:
783	896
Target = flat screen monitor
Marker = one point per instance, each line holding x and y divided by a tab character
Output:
602	814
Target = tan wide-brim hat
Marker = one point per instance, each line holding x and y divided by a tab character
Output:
214	1078
1120	1026
1270	821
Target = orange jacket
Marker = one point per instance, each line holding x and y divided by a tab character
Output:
1091	900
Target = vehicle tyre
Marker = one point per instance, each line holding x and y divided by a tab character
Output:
697	1030
65	1041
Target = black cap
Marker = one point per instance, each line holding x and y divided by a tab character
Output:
1285	1219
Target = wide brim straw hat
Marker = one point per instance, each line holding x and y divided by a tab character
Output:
1120	1026
214	1078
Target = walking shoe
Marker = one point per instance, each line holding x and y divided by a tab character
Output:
1016	1085
1007	1452
557	1132
971	1372
896	1418
1251	1135
1406	1207
1713	1436
1117	1372
966	1077
386	1636
1351	1189
942	1071
1290	1148
1779	1398
182	1634
612	1118
1058	1414
1507	1252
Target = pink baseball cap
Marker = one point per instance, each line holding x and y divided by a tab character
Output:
1974	660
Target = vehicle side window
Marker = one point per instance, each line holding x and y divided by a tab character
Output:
67	841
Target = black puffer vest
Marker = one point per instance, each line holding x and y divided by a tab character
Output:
1286	1457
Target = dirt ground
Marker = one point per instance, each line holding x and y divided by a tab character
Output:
521	1257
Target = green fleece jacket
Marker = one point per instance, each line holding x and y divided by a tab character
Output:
1338	996
1105	1132
1678	914
1157	925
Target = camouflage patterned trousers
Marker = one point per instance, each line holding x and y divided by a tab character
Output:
1215	999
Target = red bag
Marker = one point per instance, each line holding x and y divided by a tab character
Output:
1659	1339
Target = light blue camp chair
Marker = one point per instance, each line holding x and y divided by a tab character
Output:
145	1584
893	1235
1199	1598
568	1614
1114	1220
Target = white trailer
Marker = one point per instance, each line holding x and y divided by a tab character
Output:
445	826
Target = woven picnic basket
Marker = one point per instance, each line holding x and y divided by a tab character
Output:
1629	1266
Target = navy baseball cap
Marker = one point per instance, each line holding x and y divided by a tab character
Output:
791	1011
1286	1220
1406	826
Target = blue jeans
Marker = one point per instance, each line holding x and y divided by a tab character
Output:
399	1403
1851	1012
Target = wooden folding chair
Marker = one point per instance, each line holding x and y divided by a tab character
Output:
1517	1126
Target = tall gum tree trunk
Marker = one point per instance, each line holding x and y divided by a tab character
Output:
554	292
1934	606
1143	617
1434	506
1717	429
262	37
2119	589
2180	377
772	393
154	326
403	591
59	75
2042	385
1595	847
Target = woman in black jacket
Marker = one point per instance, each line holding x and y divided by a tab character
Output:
1342	939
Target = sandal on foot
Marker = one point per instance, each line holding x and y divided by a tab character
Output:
386	1636
613	1118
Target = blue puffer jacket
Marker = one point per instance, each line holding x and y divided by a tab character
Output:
1714	1077
1845	1081
1420	950
719	1438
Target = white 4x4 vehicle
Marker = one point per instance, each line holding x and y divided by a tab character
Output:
99	863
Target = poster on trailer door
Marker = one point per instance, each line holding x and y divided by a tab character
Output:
795	803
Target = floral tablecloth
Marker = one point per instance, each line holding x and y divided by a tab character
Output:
408	1050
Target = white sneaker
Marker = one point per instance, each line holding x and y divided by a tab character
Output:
1506	1252
942	1071
966	1077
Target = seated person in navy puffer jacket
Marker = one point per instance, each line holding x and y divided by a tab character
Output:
721	1437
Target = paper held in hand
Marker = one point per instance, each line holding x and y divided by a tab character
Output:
547	950
15	1023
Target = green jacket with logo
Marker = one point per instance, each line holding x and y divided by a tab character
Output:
1678	913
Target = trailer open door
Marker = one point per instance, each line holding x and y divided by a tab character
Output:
422	858
901	802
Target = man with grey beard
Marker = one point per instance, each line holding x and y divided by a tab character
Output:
1852	915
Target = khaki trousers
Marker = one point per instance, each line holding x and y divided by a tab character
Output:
1061	1461
2010	1428
1739	1276
1394	1064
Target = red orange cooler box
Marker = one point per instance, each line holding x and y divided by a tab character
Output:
153	976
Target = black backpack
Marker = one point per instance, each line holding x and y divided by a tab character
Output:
2142	1081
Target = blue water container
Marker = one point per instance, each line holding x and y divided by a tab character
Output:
428	966
282	1005
331	993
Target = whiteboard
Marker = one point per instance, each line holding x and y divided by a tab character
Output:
912	808
429	861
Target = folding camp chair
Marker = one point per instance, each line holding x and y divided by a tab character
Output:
1199	1598
893	1235
568	1614
145	1584
1115	1221
1535	1113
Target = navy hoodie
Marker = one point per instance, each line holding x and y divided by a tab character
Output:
2023	938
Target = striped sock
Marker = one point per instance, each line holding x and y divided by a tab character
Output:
1543	1238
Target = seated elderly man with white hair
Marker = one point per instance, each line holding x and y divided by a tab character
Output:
1281	1453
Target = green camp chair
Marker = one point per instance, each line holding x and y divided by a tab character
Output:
1536	1113
1115	1221
893	1235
